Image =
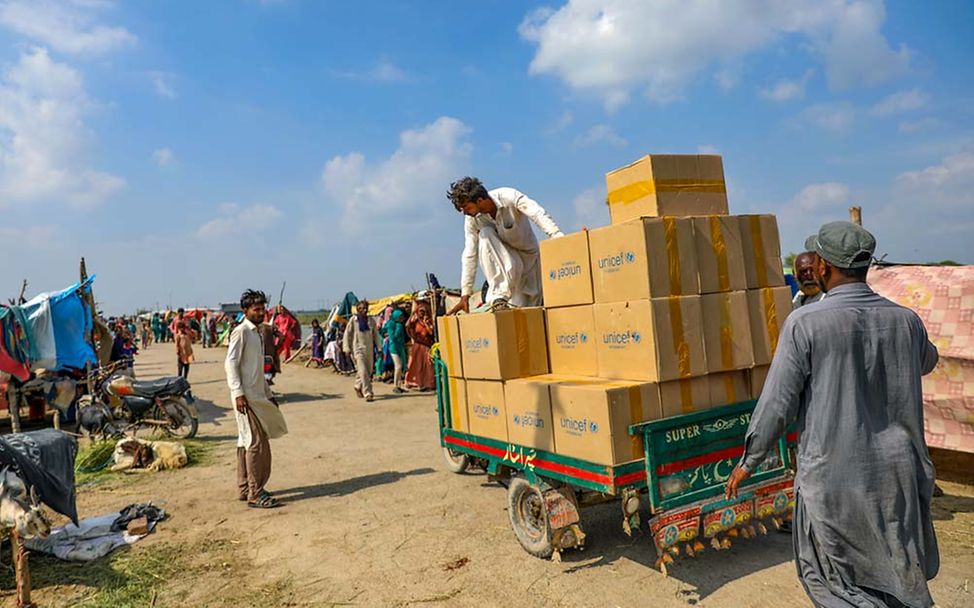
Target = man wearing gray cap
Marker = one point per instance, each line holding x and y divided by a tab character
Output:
848	370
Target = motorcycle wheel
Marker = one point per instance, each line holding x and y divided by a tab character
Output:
182	423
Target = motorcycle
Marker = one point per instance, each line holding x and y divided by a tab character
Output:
166	403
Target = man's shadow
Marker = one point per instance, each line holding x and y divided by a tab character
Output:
347	486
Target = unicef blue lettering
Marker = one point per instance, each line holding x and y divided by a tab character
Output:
621	339
567	270
475	345
579	426
570	341
485	411
612	263
528	419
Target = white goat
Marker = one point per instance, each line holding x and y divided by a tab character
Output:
18	511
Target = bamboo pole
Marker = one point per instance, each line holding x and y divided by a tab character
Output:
21	571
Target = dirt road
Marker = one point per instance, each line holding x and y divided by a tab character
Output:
372	518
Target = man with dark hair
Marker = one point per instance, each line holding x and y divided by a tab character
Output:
498	234
360	341
848	371
808	289
258	416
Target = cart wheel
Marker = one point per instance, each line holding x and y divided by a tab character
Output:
456	462
525	506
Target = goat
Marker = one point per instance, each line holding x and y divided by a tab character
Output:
133	453
94	417
19	510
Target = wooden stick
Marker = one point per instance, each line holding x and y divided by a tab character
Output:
298	352
22	571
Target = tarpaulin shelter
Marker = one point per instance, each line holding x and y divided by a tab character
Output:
943	296
377	306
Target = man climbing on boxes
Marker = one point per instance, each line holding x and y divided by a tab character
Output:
497	233
847	371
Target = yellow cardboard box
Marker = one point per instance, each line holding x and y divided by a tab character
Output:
566	270
667	184
761	246
650	340
684	396
591	419
757	377
727	331
729	387
486	409
459	421
448	330
768	309
529	412
503	345
571	340
720	256
644	258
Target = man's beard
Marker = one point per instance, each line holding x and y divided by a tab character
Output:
811	288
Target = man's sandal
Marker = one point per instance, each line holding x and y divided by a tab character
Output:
264	501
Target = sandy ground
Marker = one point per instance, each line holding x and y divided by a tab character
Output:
372	518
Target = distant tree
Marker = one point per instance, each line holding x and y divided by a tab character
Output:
944	263
789	262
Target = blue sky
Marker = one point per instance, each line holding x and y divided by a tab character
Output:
192	149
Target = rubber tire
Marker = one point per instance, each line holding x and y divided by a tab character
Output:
536	542
191	428
456	462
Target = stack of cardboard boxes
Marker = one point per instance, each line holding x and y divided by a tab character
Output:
673	308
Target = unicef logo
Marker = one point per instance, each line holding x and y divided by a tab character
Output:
552	275
630	257
517	419
593	427
582	338
486	342
636	337
494	411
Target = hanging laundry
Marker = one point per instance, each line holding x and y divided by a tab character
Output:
71	319
16	351
42	328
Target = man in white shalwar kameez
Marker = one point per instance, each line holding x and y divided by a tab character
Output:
498	235
258	417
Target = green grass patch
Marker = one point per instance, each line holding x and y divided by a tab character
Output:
94	461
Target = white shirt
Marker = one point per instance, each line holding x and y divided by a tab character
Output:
245	376
515	212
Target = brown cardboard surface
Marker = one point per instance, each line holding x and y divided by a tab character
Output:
486	409
449	337
566	270
761	246
650	340
729	387
667	185
458	404
727	331
503	345
571	340
529	413
720	257
684	396
756	378
591	420
768	309
647	258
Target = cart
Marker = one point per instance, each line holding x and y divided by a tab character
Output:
680	480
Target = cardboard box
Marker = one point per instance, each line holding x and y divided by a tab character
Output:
756	379
571	340
650	340
761	246
727	331
667	184
566	270
591	419
719	253
768	309
648	258
684	396
529	412
729	387
503	345
486	409
448	330
459	421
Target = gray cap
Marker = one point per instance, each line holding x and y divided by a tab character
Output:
843	244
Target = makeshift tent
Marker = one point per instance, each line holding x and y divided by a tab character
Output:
377	306
943	296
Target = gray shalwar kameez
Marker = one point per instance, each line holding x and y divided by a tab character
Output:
848	370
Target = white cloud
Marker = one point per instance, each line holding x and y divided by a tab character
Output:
590	209
918	126
707	149
385	71
956	172
236	220
163	157
821	197
611	47
564	121
507	148
45	143
836	117
406	189
788	90
164	84
901	102
67	26
600	134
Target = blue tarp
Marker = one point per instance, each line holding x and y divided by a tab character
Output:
71	318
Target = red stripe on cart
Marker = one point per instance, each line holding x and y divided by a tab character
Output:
546	465
629	478
673	467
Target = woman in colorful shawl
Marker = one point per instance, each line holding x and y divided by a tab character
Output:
420	372
396	334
